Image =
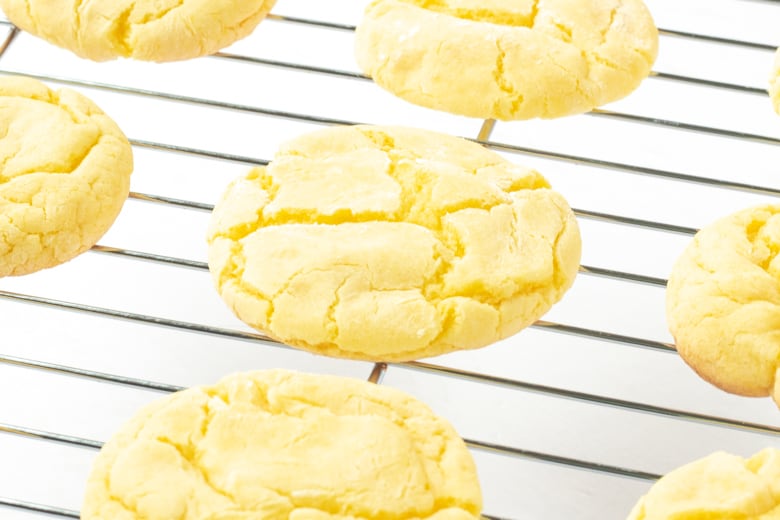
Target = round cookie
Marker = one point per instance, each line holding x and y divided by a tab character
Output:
508	59
388	243
152	30
774	83
284	445
719	486
723	302
65	175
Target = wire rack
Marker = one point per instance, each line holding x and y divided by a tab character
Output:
573	418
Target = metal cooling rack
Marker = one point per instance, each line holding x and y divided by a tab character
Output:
573	418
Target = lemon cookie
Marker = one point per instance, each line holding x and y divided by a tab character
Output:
723	302
65	175
720	486
774	83
153	30
284	445
387	243
508	59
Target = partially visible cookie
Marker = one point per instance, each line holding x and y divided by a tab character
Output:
65	175
277	445
508	59
718	487
774	83
389	243
152	30
723	302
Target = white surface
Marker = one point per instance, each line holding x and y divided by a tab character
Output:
514	487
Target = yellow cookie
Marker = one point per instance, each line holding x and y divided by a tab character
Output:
774	83
153	30
65	175
278	445
508	59
387	243
723	302
717	487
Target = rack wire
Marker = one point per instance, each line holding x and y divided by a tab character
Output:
574	418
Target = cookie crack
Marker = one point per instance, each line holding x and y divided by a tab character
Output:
566	32
534	13
120	31
433	288
330	315
117	499
188	454
154	16
234	273
606	31
49	169
577	81
558	277
286	286
306	216
77	6
499	76
496	16
755	234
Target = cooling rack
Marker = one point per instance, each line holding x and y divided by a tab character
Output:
573	418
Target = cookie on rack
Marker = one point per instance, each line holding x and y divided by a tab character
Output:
723	302
508	59
65	176
719	486
277	444
391	243
774	83
152	30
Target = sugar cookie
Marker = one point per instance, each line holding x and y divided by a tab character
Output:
508	59
153	30
720	486
65	175
389	243
723	302
774	83
283	445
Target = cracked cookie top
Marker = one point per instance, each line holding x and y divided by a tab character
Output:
508	59
774	83
719	486
387	243
152	30
64	175
723	302
280	445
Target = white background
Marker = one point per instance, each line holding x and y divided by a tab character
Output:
514	486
